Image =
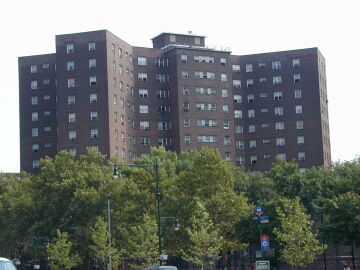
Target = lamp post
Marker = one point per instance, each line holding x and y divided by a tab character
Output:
158	201
35	240
115	175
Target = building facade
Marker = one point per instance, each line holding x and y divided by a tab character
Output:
99	91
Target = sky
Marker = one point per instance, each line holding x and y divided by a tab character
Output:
246	26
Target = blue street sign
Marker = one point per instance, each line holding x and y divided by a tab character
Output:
265	245
264	219
259	210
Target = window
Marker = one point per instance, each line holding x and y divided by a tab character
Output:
172	38
279	126
72	151
237	113
94	133
262	64
33	85
264	110
92	63
277	80
250	98
236	68
276	65
248	67
92	46
72	135
227	156
36	164
145	141
249	82
71	83
252	144
263	79
301	156
280	141
92	80
46	81
70	48
263	95
279	110
204	75
299	124
120	52
297	78
226	124
226	140
45	66
163	141
236	83
46	113
187	139
34	100
187	123
186	106
240	160
34	132
47	145
162	109
225	108
278	95
239	144
122	136
252	128
266	141
144	109
142	77
35	148
298	109
185	75
282	156
206	123
160	78
70	65
93	116
267	156
72	117
93	98
185	91
204	59
237	99
113	48
33	69
296	63
143	93
205	90
239	129
162	126
121	70
302	170
207	139
159	62
264	125
144	125
142	61
300	140
223	61
184	58
224	93
251	113
197	41
297	93
47	129
35	116
205	107
253	159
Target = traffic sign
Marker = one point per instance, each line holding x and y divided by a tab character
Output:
264	219
259	210
265	246
262	265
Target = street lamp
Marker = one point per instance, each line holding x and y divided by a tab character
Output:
158	200
35	240
115	175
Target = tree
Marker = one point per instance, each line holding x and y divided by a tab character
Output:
205	239
142	243
286	178
298	245
342	219
60	254
100	248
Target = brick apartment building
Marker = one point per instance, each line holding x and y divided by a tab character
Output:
99	91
